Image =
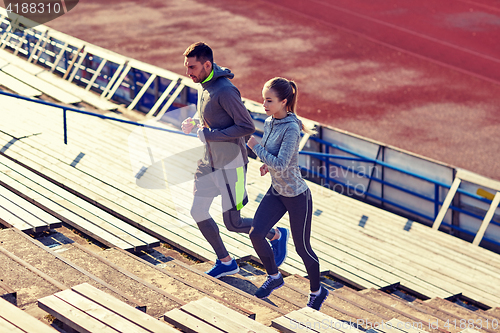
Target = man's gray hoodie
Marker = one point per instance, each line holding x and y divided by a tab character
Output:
279	149
226	120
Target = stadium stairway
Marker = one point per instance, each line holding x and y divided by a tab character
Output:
162	286
105	186
378	252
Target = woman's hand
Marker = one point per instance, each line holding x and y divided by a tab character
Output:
264	169
252	142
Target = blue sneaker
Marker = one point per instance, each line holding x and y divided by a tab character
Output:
268	286
279	246
219	269
315	301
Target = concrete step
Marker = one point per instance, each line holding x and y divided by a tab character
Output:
156	299
416	309
264	312
247	281
8	293
185	288
297	288
29	285
495	312
60	271
466	316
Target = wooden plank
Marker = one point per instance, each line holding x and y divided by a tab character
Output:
78	66
73	61
129	275
96	74
21	63
475	178
123	309
12	221
446	203
87	96
142	92
118	83
36	224
41	85
22	320
7	327
487	219
72	316
430	271
188	323
59	57
162	98
21	201
297	318
96	311
17	86
229	313
337	324
196	285
214	318
20	207
70	201
285	325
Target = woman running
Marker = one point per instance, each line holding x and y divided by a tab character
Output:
279	150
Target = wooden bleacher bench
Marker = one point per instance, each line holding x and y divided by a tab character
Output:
206	315
52	80
19	213
39	84
17	86
15	320
80	214
87	309
312	321
87	96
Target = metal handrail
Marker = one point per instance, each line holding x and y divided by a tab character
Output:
67	108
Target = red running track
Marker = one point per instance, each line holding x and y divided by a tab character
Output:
418	75
458	34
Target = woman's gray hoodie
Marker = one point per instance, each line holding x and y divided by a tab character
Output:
279	149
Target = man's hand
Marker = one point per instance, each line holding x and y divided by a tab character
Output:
264	169
200	134
252	142
188	125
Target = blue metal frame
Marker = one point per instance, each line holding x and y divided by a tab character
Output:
325	157
437	203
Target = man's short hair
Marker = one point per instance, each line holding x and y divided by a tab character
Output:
201	51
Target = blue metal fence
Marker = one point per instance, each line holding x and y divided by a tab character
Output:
329	160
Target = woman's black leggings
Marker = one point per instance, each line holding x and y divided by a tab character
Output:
271	209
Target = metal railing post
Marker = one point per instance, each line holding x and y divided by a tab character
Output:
436	200
65	127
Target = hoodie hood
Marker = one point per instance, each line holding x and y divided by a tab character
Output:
219	72
291	117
